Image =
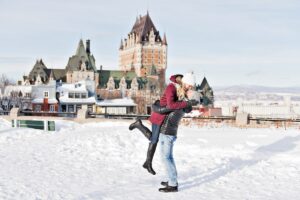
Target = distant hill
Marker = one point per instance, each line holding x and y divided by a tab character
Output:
257	89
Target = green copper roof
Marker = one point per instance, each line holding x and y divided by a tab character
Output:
104	75
117	75
81	56
80	49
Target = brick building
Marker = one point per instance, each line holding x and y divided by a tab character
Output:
144	51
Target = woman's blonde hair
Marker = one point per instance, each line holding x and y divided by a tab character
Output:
180	92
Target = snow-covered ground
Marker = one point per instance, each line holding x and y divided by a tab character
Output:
103	161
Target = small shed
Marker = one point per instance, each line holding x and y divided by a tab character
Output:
116	106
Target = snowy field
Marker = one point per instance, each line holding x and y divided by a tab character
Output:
103	161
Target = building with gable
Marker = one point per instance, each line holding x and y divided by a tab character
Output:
141	74
44	74
82	65
72	96
206	93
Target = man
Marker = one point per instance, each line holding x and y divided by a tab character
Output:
169	100
168	135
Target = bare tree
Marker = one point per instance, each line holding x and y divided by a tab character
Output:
4	80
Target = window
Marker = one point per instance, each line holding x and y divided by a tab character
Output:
90	108
71	108
63	108
78	107
78	85
83	95
37	108
77	96
46	94
52	108
71	95
27	95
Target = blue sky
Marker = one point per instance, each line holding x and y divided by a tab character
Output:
231	42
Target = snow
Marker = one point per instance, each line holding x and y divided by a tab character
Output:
41	100
84	87
104	160
73	87
17	88
66	99
81	86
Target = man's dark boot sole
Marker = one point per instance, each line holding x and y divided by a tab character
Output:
168	190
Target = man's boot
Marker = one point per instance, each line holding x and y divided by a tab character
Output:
169	189
139	125
150	153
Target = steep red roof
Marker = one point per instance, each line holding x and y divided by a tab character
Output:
143	26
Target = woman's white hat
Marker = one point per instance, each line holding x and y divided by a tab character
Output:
189	79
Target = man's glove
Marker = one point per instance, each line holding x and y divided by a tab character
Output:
158	109
188	109
192	102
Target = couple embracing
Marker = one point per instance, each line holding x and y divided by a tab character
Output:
165	117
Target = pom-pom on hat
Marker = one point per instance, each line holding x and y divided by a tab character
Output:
189	79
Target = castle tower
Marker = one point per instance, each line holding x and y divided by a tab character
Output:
144	49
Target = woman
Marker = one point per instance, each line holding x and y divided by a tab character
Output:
172	99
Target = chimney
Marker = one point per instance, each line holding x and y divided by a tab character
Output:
88	50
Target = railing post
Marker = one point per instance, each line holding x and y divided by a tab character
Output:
82	113
242	119
45	125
